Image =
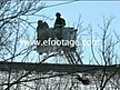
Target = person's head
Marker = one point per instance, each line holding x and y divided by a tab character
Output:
40	22
58	14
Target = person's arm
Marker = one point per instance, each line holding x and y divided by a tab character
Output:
63	22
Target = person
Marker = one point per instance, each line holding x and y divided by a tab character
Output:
42	25
42	33
39	27
45	25
59	22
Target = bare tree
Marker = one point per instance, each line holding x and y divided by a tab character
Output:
15	25
106	55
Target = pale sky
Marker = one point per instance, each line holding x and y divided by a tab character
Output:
91	12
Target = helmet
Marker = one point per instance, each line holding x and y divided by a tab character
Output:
40	22
58	14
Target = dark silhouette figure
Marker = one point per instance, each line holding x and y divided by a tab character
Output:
42	33
40	25
60	22
58	25
45	25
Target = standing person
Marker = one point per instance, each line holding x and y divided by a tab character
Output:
60	22
58	25
42	32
